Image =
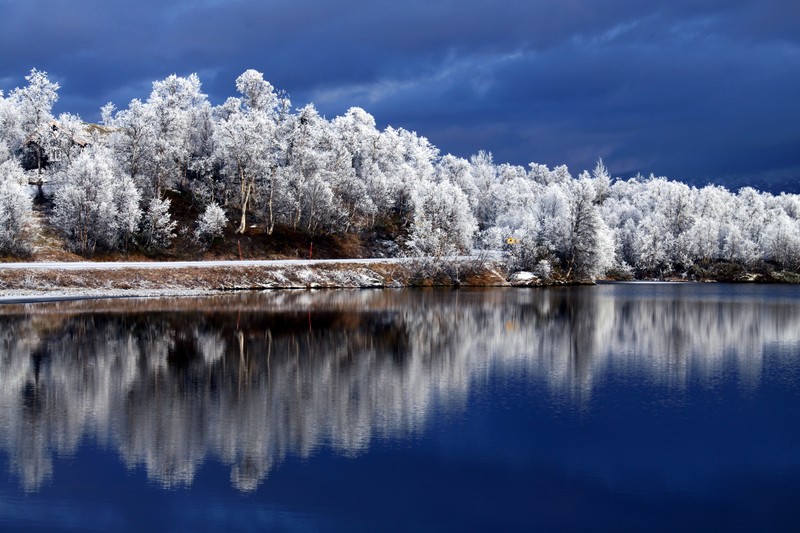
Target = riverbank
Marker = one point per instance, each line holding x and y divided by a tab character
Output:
63	281
163	279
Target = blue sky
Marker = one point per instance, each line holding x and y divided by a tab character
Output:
697	90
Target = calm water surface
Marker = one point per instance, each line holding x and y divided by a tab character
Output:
616	407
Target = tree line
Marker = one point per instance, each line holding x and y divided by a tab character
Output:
255	160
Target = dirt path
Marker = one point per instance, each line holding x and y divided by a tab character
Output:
48	245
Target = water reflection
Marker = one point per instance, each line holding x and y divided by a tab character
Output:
250	378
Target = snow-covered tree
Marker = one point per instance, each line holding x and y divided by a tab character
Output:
164	142
15	210
484	176
64	140
311	159
443	222
157	227
586	250
128	211
782	242
11	134
458	171
34	104
93	204
130	132
360	180
246	143
601	181
211	223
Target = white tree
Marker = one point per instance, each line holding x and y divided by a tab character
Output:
211	223
174	110
736	247
15	209
311	159
259	94
782	242
64	140
360	180
246	143
750	214
443	222
130	134
127	210
601	181
158	228
585	248
11	134
35	103
484	176
89	199
459	172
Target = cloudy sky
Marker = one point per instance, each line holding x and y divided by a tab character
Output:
697	90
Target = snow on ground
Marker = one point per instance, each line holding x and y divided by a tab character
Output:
48	281
94	265
29	296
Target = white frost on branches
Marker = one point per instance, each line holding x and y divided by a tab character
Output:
211	223
296	170
94	204
15	209
158	228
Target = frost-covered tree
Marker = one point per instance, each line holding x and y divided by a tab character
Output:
782	241
34	104
586	251
360	181
408	162
458	171
443	222
211	223
484	177
130	131
560	224
246	143
128	212
94	205
11	134
551	215
64	140
15	210
157	227
158	138
311	159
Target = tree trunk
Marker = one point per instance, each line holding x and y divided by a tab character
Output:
243	223
271	224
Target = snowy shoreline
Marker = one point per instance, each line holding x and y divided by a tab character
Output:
65	281
62	295
46	282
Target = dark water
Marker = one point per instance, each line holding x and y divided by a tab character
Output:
617	407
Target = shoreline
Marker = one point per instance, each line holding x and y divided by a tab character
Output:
23	283
27	282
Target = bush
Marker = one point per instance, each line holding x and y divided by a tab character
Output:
211	224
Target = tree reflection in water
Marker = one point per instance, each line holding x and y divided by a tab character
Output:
250	378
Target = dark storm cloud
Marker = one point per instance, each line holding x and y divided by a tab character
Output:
702	89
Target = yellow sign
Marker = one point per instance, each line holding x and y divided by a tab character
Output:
512	240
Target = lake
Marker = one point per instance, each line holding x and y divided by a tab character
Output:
656	407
